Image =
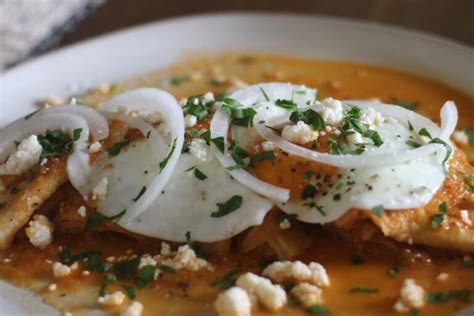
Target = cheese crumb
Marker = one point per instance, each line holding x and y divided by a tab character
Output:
331	111
354	138
442	276
115	299
52	287
268	146
146	261
185	258
95	147
81	211
371	117
40	231
272	296
465	217
233	302
134	309
61	270
300	133
411	296
25	156
165	249
200	150
282	271
100	190
307	294
461	137
285	224
190	120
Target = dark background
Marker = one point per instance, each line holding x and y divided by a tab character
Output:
449	18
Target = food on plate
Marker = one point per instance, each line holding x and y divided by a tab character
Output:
244	186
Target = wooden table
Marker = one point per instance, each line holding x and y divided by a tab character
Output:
450	18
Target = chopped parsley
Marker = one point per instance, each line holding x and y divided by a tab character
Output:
96	218
239	114
469	263
310	117
199	174
165	160
393	271
286	104
357	260
228	207
130	291
409	105
142	191
117	147
424	132
438	218
443	297
470	135
337	147
378	210
317	309
308	192
177	80
246	60
145	275
373	136
55	143
336	197
412	143
197	106
362	289
265	95
262	156
168	269
193	246
227	280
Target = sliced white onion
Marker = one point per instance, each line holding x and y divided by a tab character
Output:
373	160
151	100
154	188
219	127
98	125
449	119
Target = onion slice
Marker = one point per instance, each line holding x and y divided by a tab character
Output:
154	188
151	100
449	119
219	127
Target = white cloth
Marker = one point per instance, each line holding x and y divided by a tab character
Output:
25	24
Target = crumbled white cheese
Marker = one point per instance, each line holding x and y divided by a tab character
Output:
443	276
110	259
185	258
25	156
465	217
281	271
268	146
461	137
411	296
233	302
61	270
153	117
354	138
95	147
81	211
165	249
86	272
104	88
54	100
200	150
115	299
285	224
183	102
270	295
190	120
100	190
331	111
300	133
68	314
371	117
307	294
52	287
146	261
134	309
40	231
208	97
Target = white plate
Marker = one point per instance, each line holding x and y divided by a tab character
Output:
138	50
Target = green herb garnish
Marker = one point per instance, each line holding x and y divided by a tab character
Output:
117	147
96	218
438	218
228	207
227	280
142	191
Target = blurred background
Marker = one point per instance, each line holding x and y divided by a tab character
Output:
32	27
